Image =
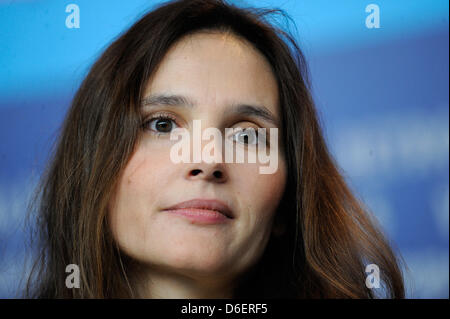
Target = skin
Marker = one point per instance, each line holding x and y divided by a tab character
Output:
179	258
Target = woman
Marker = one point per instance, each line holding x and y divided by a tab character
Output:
138	224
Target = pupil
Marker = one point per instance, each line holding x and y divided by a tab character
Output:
163	125
246	138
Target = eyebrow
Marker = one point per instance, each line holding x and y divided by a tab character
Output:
168	100
244	109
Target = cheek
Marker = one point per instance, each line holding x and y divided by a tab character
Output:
261	193
132	203
259	196
148	163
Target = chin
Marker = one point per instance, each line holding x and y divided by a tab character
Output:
201	263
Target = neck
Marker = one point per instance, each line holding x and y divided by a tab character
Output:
157	284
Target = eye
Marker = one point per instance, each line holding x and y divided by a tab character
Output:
160	124
246	136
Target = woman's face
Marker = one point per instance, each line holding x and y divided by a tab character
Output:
216	72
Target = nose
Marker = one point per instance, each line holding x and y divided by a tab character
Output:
209	172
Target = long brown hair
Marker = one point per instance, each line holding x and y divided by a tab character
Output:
329	235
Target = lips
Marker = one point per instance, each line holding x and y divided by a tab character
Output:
204	204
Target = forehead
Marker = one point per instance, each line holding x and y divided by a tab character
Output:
216	69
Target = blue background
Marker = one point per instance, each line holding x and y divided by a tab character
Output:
382	95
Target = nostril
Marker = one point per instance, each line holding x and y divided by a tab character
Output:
195	172
217	174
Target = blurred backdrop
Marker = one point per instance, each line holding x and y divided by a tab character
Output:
381	91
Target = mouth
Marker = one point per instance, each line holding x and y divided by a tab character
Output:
203	207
